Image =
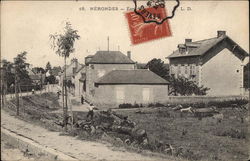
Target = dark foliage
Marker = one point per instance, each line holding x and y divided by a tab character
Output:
185	87
246	76
129	105
157	66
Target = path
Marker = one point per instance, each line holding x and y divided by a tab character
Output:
82	150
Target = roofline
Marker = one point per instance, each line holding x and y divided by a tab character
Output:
132	83
109	63
182	56
225	37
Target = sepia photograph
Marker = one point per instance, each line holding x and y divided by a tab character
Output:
124	80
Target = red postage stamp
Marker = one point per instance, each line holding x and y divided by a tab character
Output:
143	32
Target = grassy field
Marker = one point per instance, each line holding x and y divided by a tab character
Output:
195	139
192	139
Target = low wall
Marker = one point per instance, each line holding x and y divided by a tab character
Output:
182	100
201	99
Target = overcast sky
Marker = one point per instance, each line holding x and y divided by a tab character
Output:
26	26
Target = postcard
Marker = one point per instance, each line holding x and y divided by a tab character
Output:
125	80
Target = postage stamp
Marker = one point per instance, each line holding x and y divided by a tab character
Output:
142	30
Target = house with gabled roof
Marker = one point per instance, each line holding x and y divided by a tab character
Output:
72	71
101	63
112	78
139	86
216	63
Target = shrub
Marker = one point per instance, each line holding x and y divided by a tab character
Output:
129	105
238	102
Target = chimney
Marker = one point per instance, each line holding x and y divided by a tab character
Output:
129	54
221	33
188	40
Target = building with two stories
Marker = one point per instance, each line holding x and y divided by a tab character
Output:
216	63
112	78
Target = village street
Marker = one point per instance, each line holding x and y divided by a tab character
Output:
68	145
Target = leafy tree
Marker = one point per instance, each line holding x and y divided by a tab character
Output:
21	68
50	79
38	70
56	70
246	75
63	44
157	66
48	67
183	86
9	75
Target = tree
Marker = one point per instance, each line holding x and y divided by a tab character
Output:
51	79
157	66
37	70
246	75
63	45
48	67
56	70
183	86
21	68
9	75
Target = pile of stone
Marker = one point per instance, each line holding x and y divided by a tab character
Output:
114	127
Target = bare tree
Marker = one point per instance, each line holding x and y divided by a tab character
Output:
63	45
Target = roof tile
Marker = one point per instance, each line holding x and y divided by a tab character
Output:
138	76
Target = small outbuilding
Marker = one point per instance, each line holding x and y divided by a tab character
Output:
138	86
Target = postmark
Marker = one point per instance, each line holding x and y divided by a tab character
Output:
143	32
149	11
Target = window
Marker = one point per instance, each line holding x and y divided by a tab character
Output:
146	94
120	94
179	70
171	69
192	70
186	69
92	66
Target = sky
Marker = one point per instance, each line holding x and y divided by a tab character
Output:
26	26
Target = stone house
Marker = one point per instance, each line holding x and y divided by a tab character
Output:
138	86
72	71
100	64
216	63
111	78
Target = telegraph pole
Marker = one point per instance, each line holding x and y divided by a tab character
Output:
66	101
108	43
16	92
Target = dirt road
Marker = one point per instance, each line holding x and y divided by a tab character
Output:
82	150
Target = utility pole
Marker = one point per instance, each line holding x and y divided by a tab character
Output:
16	92
108	43
3	86
66	105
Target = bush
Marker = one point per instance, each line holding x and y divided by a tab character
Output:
125	105
185	87
129	105
238	102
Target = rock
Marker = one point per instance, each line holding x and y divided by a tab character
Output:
106	137
119	141
127	141
134	144
178	107
139	134
145	142
168	149
92	130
